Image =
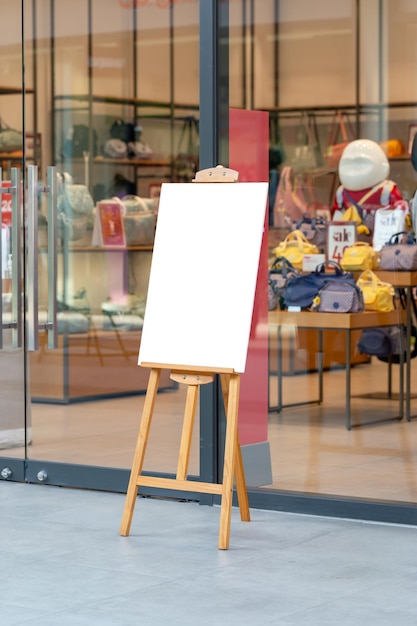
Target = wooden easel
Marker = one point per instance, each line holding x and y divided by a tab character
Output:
193	377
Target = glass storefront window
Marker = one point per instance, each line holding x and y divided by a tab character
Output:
316	67
96	78
116	86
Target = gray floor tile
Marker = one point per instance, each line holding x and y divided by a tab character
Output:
64	563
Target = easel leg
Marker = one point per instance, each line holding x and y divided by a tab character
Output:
187	431
242	494
229	461
132	490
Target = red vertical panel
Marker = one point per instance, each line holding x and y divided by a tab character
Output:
249	154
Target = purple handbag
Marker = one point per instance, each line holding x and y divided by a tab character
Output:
399	255
339	297
314	229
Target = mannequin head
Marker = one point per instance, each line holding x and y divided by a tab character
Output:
363	165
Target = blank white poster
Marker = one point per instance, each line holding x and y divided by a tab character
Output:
203	275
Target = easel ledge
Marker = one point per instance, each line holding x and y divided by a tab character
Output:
189	368
194	377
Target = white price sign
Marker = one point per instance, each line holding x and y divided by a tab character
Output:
340	235
388	222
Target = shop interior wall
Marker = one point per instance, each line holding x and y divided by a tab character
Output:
322	63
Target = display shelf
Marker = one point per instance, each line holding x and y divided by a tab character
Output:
101	160
95	114
14	91
91	248
137	102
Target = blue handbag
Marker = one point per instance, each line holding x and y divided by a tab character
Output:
300	291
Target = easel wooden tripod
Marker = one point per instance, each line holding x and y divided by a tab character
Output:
193	377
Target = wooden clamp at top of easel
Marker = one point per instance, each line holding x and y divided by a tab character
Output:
218	174
193	376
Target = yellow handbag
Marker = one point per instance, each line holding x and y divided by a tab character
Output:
360	256
377	295
294	247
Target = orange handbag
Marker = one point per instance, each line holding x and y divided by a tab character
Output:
393	148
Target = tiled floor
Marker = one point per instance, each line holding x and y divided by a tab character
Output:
63	563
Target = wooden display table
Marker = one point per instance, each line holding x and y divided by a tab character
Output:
346	322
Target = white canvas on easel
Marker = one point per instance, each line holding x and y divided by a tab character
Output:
203	274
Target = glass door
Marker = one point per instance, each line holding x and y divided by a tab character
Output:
15	419
106	92
22	193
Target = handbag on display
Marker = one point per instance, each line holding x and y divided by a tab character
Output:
338	297
11	140
77	141
399	253
290	202
115	148
382	342
385	343
393	148
360	256
307	154
395	355
294	247
125	131
185	162
278	276
273	298
130	304
78	303
139	220
314	229
139	150
377	295
301	290
75	207
339	129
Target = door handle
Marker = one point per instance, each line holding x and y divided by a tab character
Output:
32	257
17	313
51	325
